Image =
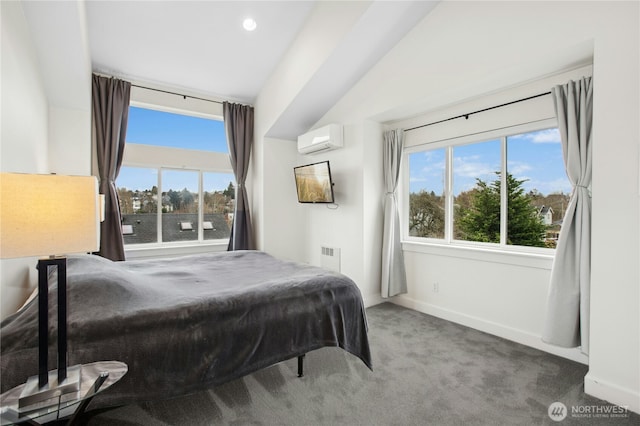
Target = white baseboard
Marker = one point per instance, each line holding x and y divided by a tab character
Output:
612	393
500	330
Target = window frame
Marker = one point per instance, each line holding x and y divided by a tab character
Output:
161	158
448	144
200	240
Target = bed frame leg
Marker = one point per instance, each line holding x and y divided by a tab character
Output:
300	365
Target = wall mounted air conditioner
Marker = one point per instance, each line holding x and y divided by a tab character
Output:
321	139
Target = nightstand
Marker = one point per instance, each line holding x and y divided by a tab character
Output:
95	378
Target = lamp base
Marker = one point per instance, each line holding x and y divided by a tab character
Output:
34	397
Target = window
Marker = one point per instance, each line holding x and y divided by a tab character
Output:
476	193
510	190
427	200
160	128
176	183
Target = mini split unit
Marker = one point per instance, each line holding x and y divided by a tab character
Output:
321	139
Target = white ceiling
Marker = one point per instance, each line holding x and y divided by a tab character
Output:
196	45
200	48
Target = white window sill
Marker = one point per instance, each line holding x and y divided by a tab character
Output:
139	251
542	258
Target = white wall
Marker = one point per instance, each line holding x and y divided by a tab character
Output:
23	137
342	227
69	141
24	102
275	212
614	367
354	224
372	211
464	50
46	101
59	38
284	237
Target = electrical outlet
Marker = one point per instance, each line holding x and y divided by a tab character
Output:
436	287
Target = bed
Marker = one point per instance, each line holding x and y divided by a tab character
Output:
186	324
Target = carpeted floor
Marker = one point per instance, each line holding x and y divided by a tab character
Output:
426	371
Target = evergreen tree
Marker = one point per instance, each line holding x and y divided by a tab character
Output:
174	199
481	221
230	192
524	225
186	200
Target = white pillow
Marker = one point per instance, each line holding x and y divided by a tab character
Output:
32	296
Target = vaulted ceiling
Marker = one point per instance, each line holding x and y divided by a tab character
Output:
196	45
200	47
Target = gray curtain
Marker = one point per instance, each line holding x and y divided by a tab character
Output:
110	98
567	318
394	280
238	124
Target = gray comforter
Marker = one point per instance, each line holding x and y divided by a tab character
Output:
189	323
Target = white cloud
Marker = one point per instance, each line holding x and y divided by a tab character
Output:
471	167
517	168
427	167
434	160
552	186
430	155
543	136
414	179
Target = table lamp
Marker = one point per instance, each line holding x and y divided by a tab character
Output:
49	215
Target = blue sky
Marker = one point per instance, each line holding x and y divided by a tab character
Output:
535	156
151	127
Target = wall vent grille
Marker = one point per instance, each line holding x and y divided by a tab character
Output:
330	258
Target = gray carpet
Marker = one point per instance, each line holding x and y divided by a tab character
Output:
426	371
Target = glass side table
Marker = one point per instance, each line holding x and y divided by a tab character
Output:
95	378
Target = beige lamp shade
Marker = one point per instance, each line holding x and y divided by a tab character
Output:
44	215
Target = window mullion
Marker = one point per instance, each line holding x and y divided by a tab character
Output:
404	193
159	206
200	206
504	195
448	191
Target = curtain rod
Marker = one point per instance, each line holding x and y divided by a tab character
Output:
177	94
466	116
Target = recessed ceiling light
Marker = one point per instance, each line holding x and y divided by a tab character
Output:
249	24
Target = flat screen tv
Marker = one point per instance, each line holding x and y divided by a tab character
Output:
313	183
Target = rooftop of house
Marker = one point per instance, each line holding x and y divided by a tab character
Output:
141	228
545	210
